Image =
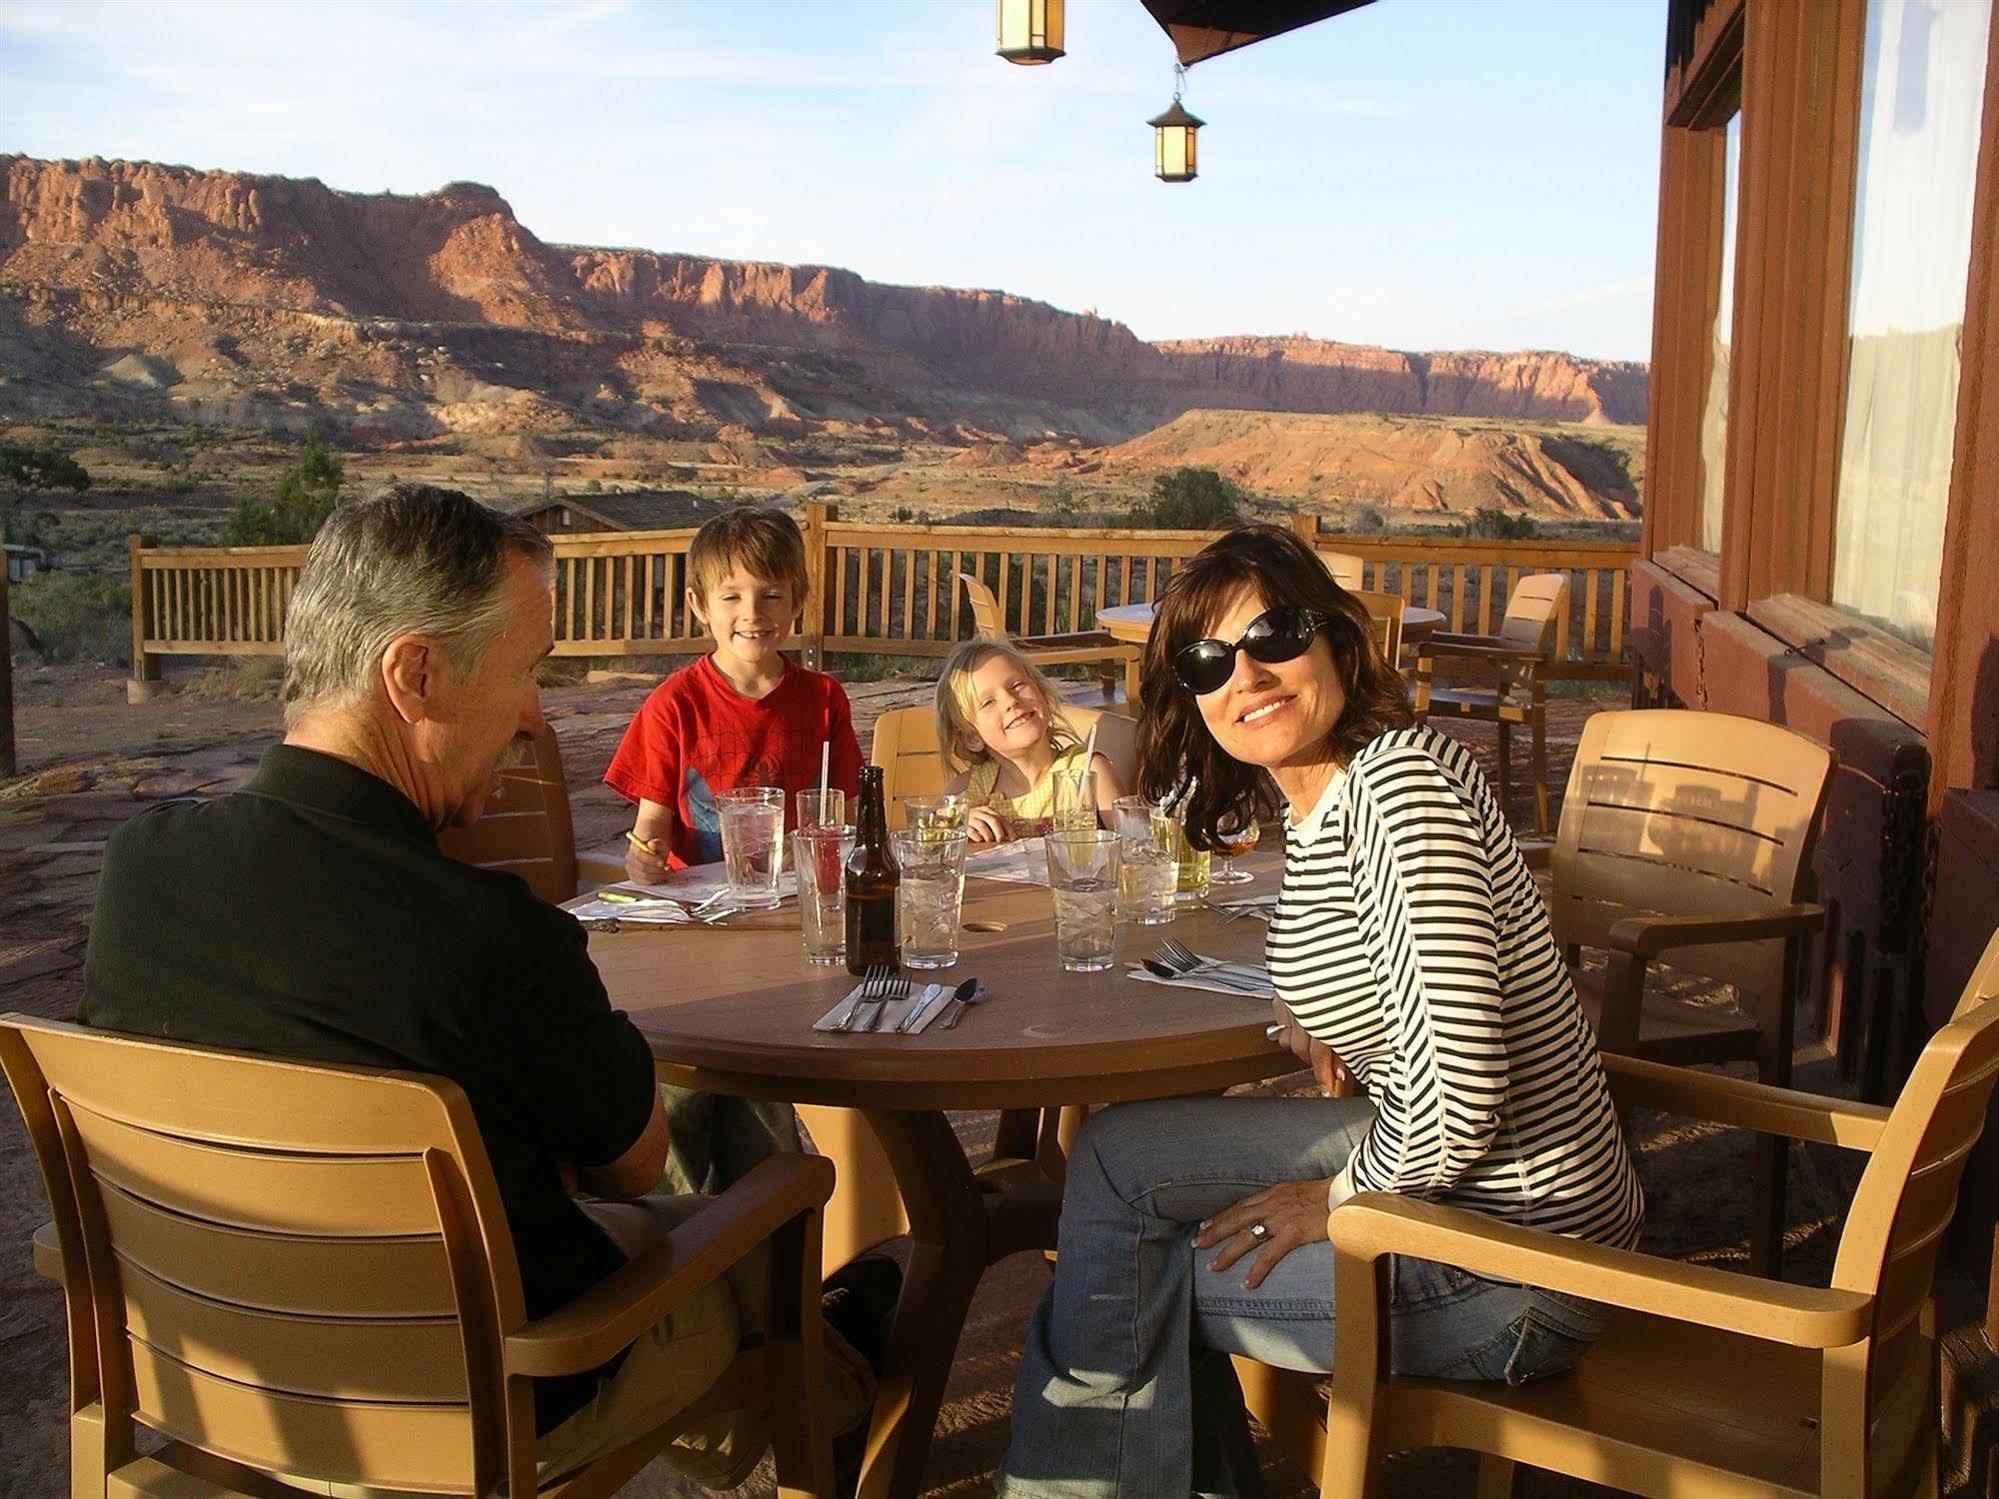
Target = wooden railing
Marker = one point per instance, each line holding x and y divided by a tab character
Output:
887	589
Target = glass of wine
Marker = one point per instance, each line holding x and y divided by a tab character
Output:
1237	834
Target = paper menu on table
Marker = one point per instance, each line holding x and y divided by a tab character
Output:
1024	862
643	910
697	882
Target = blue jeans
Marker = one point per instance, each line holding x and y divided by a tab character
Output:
1105	1401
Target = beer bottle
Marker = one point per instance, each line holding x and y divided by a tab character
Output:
872	880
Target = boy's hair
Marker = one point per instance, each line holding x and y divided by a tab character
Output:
955	705
760	539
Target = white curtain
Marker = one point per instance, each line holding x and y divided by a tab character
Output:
1921	97
1714	412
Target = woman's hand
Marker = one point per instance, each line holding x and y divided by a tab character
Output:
1334	1079
986	826
1292	1213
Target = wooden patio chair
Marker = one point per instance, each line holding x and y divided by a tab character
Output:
1385	610
1500	679
1706	1382
526	827
1686	838
1347	569
305	1271
1110	654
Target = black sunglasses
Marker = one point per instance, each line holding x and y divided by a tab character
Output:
1281	634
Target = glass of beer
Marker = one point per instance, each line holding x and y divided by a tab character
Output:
1190	864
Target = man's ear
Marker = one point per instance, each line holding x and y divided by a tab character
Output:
409	676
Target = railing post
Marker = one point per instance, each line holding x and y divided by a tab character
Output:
818	515
144	684
6	676
1306	528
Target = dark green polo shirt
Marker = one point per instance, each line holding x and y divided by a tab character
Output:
310	915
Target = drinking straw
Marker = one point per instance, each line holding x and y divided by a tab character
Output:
825	774
1088	787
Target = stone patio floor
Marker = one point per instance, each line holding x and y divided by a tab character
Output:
90	765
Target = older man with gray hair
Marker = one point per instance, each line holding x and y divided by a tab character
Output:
311	915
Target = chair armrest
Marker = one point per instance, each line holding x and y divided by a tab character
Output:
1648	936
1538	853
1369	1225
1480	651
1459	637
1636	1083
632	1298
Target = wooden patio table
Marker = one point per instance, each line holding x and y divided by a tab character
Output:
1132	623
730	1009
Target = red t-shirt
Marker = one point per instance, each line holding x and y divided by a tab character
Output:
696	735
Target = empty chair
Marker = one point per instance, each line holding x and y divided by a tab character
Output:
303	1270
526	828
1501	679
1385	611
1686	838
1109	653
1706	1381
1346	568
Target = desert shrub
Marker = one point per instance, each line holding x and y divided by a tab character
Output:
78	616
306	495
40	466
1191	499
1494	524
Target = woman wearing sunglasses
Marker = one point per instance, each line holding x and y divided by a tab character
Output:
1409	942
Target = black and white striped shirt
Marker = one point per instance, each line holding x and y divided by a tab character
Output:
1410	938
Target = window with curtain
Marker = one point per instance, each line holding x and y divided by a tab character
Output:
1714	409
1922	92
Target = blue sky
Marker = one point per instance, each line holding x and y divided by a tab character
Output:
1421	173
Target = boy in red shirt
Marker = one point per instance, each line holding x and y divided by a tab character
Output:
743	715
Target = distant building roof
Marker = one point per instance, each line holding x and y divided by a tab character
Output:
621	510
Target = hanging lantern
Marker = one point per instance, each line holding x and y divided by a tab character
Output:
1030	31
1173	137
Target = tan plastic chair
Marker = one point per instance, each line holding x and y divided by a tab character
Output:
1385	610
526	828
1499	679
305	1270
1687	838
1110	653
1347	569
1707	1383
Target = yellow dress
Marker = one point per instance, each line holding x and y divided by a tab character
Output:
1031	813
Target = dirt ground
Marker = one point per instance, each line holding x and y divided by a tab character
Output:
89	761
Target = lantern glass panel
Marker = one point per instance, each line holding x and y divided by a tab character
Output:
1030	31
1174	152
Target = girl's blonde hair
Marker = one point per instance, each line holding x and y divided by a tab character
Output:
955	706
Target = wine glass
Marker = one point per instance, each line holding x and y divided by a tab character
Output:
1237	834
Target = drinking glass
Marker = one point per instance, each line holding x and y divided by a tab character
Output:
819	809
1238	834
1190	864
1083	875
1075	802
931	896
1146	872
752	844
819	855
940	816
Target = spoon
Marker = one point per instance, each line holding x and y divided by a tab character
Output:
969	993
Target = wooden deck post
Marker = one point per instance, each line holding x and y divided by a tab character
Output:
817	516
6	677
144	684
1306	528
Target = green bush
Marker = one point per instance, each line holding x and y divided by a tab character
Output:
78	616
1494	524
306	495
1191	499
40	466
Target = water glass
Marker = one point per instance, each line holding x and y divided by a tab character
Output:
819	809
940	816
819	854
1190	864
752	844
931	897
1083	876
1075	802
1146	869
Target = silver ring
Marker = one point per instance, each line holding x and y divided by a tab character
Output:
1259	1231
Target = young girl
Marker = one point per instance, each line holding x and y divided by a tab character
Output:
1000	721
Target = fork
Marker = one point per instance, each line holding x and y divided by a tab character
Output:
1184	961
874	991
